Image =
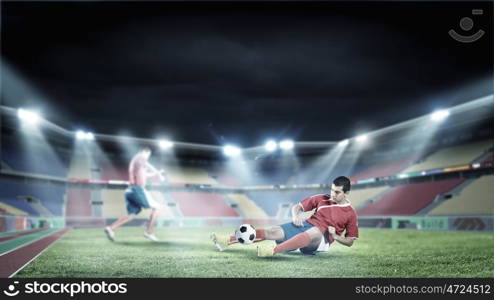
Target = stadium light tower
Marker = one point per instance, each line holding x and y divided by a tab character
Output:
439	115
287	144
231	151
271	146
29	117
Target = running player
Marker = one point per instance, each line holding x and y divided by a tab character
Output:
136	196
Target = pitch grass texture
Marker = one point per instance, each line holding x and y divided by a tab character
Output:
188	252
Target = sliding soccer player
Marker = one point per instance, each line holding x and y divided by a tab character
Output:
329	217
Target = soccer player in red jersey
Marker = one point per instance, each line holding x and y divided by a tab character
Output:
329	217
136	195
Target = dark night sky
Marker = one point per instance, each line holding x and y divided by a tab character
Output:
218	72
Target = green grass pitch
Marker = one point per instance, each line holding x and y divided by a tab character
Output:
188	252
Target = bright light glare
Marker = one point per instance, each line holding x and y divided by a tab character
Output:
80	135
165	144
439	115
271	146
286	144
361	138
230	150
343	143
27	116
89	136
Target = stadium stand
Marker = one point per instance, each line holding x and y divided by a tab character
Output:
452	156
475	199
6	208
50	197
247	207
78	199
38	160
385	168
78	203
203	204
225	178
361	196
320	174
189	175
488	161
408	199
113	203
269	201
36	204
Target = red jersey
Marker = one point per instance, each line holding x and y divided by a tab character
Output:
137	170
329	213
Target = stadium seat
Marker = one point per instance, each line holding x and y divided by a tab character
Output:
203	204
248	207
452	156
79	199
474	199
408	199
360	196
385	168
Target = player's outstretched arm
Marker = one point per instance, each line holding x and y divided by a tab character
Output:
154	172
298	215
347	241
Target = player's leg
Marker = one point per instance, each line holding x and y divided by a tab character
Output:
272	233
152	221
147	201
311	249
301	240
122	220
119	222
151	226
132	210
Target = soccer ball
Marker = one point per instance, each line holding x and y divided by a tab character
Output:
245	234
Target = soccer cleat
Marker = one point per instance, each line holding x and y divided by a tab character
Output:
151	237
265	250
220	241
110	234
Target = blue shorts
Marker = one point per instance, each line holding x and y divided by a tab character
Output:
291	230
137	198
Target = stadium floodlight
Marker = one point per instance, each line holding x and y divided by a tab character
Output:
89	136
271	146
165	144
343	143
231	151
28	117
439	115
80	135
362	138
287	144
